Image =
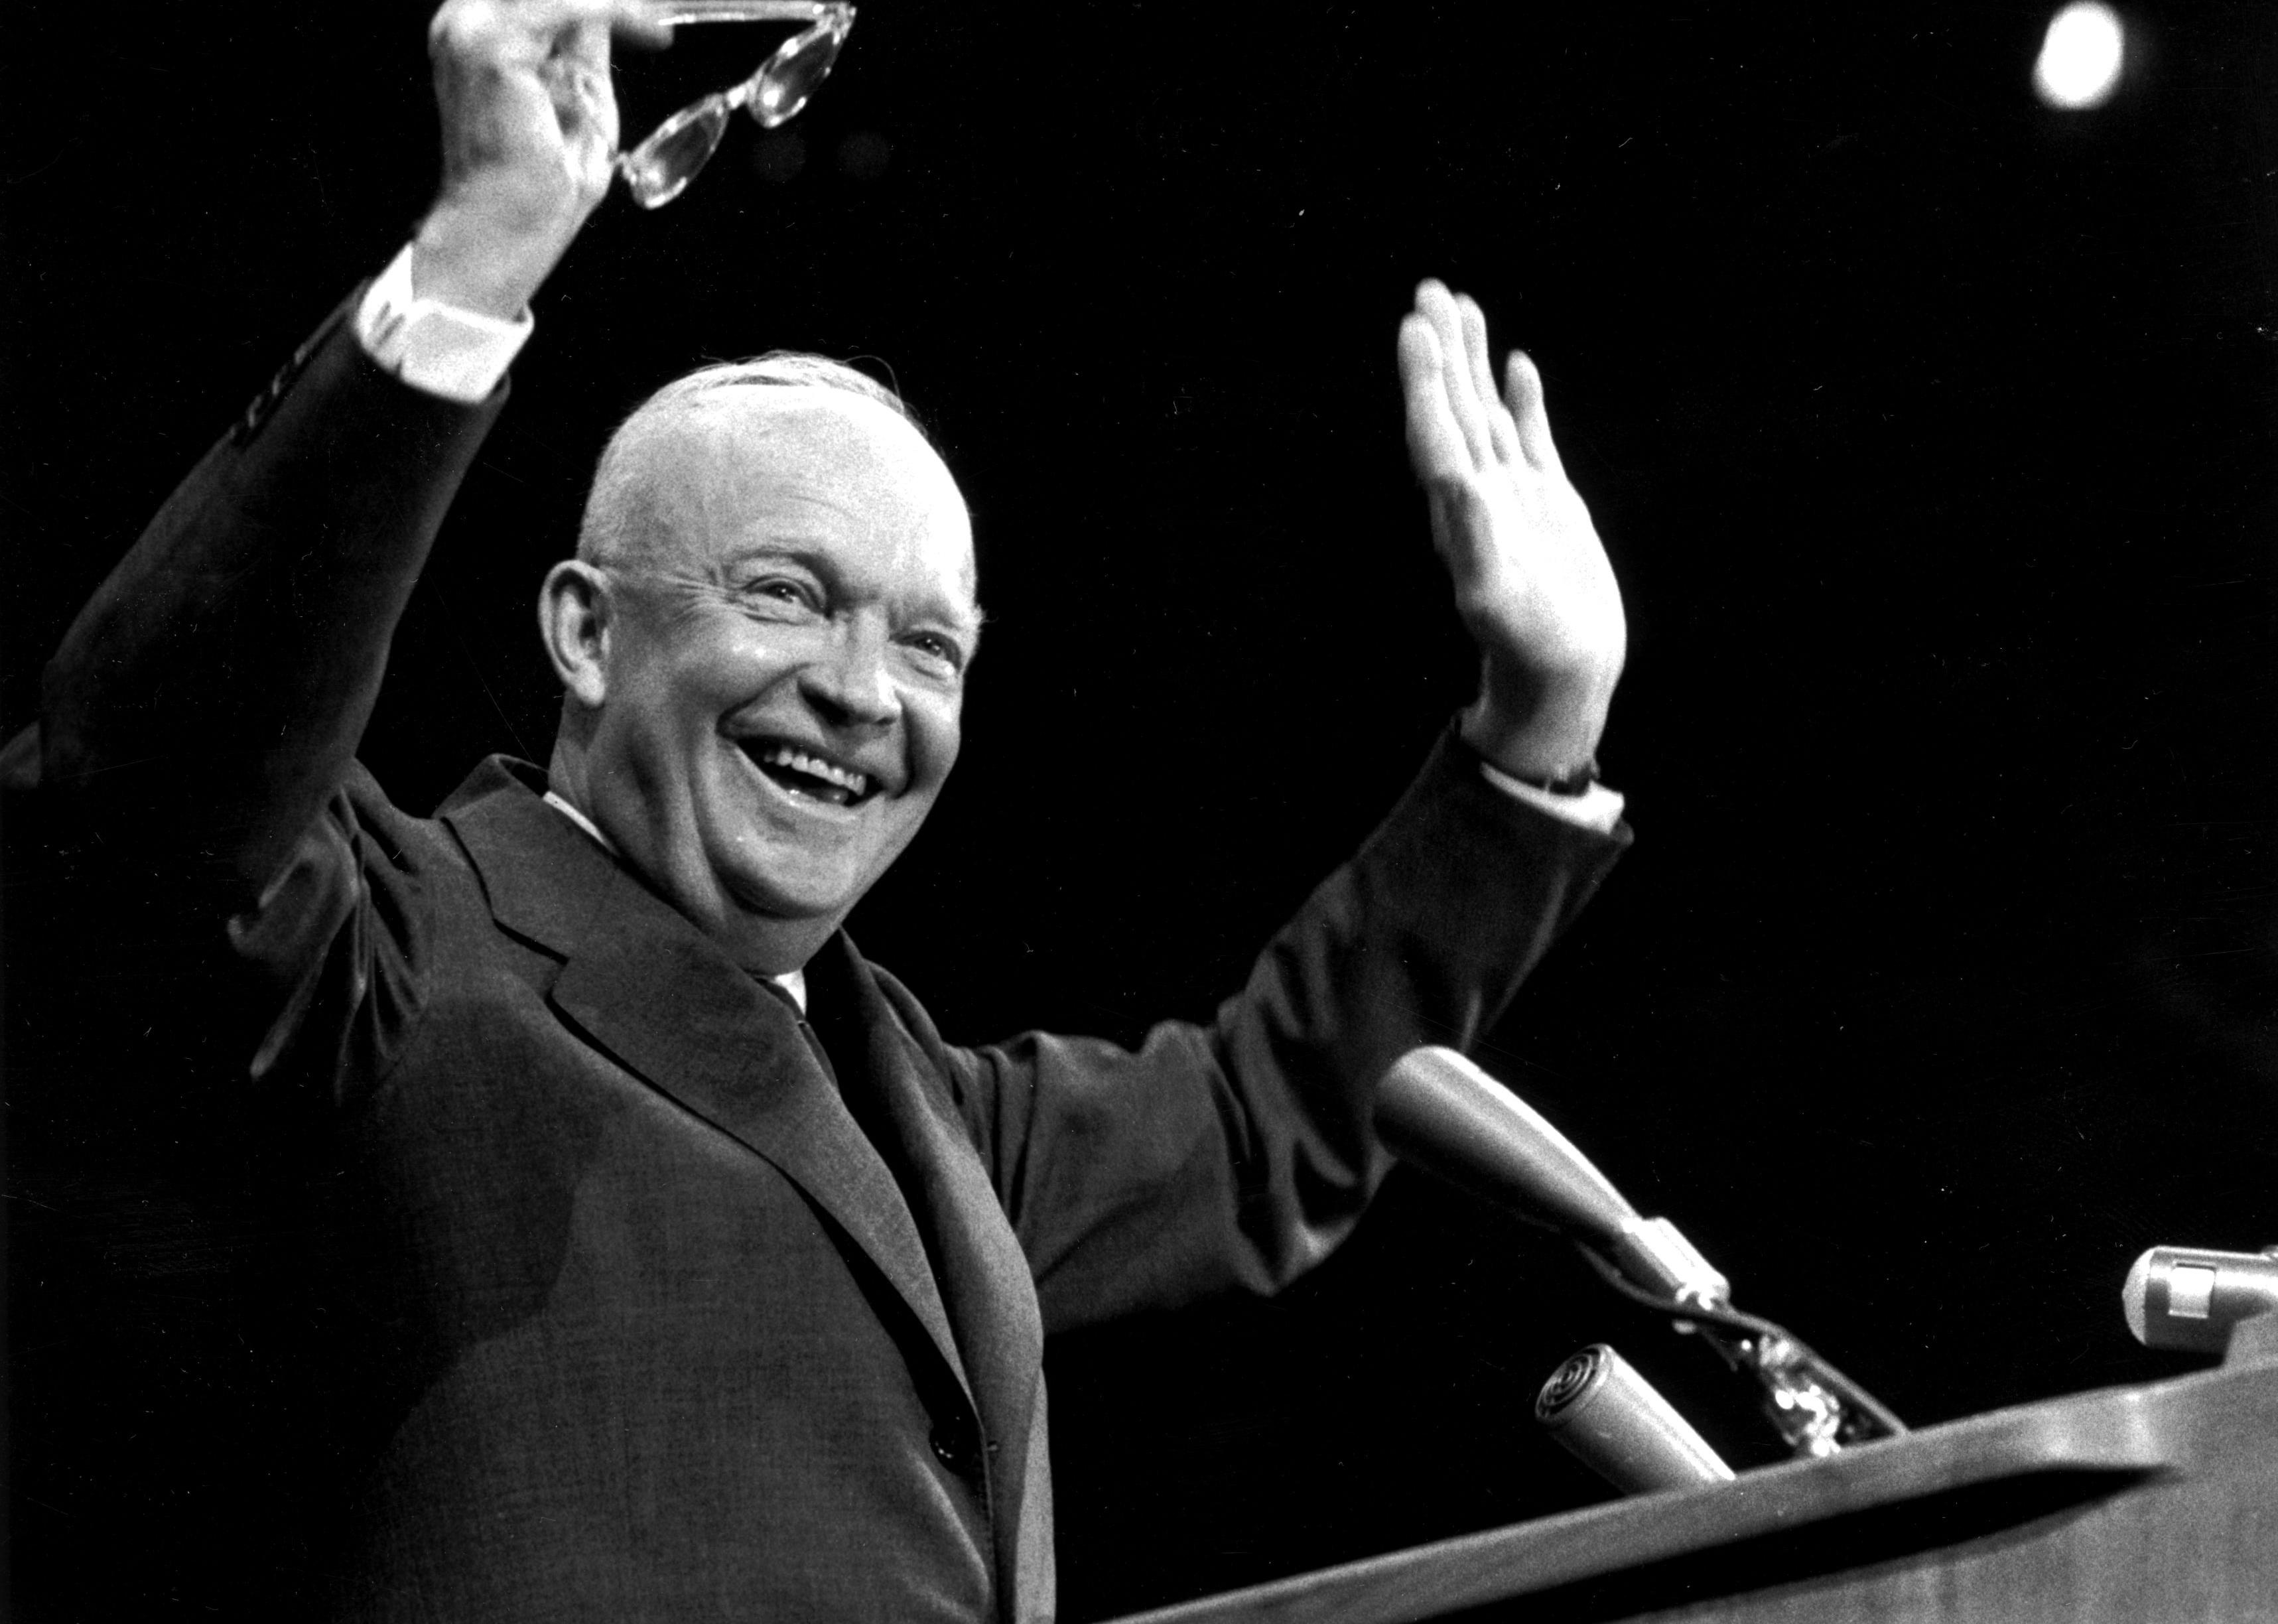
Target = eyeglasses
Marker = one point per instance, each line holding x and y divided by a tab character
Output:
659	169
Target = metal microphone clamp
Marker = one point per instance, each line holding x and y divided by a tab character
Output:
1815	1408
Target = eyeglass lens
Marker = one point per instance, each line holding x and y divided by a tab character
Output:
659	169
791	76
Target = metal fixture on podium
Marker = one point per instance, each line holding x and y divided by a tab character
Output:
1438	1110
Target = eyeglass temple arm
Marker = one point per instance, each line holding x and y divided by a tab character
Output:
677	11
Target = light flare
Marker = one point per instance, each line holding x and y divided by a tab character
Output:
2081	57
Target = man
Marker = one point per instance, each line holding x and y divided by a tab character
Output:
640	1250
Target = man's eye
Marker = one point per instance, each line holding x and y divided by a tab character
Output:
777	589
935	650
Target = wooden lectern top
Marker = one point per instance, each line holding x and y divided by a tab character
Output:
2131	1503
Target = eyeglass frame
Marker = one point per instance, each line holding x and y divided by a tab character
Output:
822	17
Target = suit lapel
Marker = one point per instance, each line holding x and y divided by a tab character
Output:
984	1275
646	988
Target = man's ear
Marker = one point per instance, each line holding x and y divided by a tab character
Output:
576	616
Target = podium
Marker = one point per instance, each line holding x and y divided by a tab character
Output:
2149	1504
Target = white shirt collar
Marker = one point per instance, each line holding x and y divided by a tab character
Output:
586	823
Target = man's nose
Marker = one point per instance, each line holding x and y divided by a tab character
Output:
850	684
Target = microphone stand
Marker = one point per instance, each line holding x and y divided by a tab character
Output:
1815	1407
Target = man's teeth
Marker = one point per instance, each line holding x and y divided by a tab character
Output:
814	766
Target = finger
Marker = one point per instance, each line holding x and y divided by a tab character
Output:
576	76
1437	306
636	22
639	20
527	29
580	56
585	95
588	26
1435	444
1474	322
1500	434
1523	393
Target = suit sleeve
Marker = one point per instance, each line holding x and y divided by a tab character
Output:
201	720
209	700
1238	1154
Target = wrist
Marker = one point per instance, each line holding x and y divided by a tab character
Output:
1541	731
465	257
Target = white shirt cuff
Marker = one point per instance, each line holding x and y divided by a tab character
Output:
1596	808
460	355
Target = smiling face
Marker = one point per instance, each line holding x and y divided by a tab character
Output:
770	698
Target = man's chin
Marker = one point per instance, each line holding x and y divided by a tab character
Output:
818	902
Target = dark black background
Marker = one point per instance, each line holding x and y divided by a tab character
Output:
1933	434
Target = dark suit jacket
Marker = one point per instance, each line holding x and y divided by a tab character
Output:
625	1292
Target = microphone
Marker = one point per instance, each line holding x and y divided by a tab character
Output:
1616	1423
2181	1297
1438	1110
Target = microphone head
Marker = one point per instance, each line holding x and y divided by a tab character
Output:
1438	1110
2188	1298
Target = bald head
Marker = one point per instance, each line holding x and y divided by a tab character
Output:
722	412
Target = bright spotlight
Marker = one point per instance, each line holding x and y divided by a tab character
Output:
2081	58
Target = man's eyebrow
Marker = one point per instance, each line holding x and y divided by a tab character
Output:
813	555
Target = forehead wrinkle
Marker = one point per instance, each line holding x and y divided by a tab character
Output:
745	459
